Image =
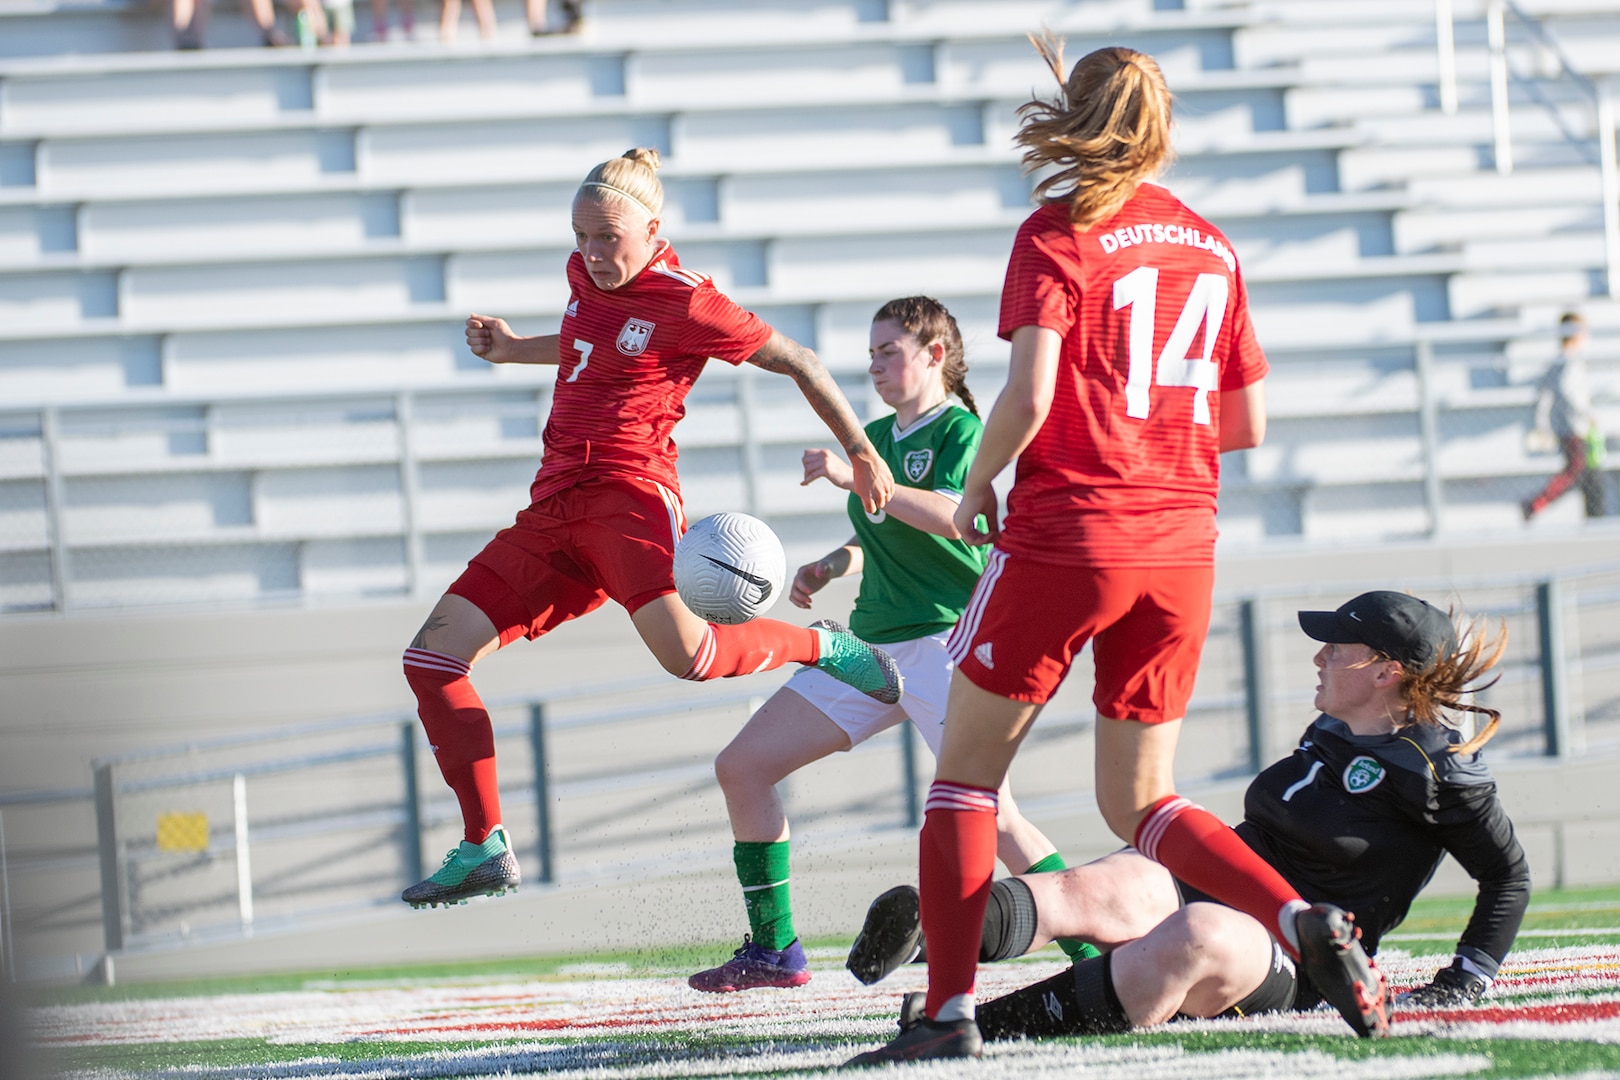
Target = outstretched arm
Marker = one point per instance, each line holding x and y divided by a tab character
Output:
491	339
926	510
872	482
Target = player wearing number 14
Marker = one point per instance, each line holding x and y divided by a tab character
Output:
1134	366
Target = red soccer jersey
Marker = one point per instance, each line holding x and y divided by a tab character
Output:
1155	321
628	358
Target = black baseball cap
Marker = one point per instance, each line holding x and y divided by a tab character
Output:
1401	627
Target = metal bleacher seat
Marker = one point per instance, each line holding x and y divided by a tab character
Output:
231	282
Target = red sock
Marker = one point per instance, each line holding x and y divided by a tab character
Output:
1200	849
956	859
459	731
753	646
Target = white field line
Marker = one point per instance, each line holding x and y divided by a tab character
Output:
608	1028
1002	1061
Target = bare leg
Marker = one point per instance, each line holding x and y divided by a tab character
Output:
484	12
449	15
1019	844
190	20
1134	770
786	734
1109	901
458	627
536	12
1201	961
668	627
264	17
982	734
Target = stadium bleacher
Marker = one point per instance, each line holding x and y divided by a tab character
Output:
231	281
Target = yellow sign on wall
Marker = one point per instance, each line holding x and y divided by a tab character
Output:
182	832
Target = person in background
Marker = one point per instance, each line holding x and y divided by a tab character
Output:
190	18
379	20
450	15
1564	419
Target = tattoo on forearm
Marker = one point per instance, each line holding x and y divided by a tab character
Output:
434	622
785	356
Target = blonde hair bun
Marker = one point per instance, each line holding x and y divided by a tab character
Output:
630	178
644	155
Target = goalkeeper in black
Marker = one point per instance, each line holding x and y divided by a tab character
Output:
1381	787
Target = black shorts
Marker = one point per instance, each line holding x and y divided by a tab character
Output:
1285	989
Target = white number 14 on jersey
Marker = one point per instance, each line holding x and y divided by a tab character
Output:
1206	304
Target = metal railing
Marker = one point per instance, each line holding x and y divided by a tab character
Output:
221	445
354	791
1502	75
230	468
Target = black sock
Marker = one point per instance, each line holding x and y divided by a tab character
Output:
1079	1001
1009	921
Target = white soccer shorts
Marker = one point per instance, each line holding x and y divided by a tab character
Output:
927	670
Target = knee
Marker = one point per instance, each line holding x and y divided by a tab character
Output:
1184	939
732	769
1120	815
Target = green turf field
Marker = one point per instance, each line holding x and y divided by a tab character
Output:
1554	1012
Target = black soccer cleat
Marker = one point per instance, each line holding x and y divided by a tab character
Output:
912	1009
922	1039
891	936
1330	952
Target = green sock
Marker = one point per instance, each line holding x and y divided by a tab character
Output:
762	870
1076	950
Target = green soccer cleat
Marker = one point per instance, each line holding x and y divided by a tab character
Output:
468	870
850	660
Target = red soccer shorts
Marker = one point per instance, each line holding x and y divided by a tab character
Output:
610	538
1028	620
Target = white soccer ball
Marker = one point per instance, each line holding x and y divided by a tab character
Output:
729	568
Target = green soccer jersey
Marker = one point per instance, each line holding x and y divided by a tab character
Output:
914	583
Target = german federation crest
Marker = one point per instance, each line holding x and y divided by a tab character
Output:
1363	774
634	337
917	464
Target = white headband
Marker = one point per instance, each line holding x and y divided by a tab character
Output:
620	191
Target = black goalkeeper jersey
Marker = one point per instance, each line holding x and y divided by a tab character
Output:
1362	821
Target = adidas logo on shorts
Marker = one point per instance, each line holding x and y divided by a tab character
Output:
982	654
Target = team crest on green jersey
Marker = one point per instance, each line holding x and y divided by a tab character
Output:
918	462
1363	774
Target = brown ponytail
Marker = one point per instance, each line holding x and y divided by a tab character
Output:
1107	130
1430	694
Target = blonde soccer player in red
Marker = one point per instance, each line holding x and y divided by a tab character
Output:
605	508
1134	366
